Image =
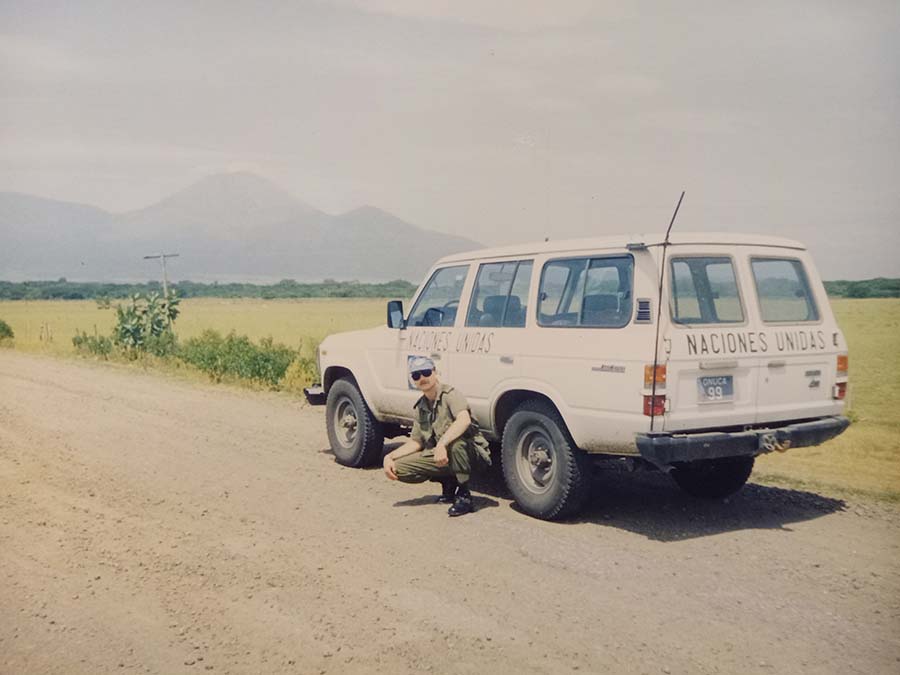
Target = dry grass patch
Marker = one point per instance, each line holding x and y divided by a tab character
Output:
864	460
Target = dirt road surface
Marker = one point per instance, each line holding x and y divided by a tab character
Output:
149	524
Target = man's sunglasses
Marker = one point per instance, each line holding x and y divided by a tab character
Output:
421	373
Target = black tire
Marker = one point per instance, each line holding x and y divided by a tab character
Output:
356	437
548	476
713	478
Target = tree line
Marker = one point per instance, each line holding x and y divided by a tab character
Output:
869	288
61	289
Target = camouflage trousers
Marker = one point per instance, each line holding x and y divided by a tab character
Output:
419	466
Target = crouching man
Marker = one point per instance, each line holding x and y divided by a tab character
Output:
445	445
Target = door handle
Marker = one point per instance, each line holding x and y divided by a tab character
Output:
506	359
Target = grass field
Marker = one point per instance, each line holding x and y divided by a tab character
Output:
864	461
287	321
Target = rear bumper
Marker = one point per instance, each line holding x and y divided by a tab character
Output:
315	395
662	448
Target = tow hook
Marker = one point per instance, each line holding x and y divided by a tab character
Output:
769	442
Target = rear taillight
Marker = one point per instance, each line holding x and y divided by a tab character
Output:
654	383
843	365
839	392
654	405
660	377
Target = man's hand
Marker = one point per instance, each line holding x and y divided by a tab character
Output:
389	470
440	455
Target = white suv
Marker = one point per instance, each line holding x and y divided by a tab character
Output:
564	351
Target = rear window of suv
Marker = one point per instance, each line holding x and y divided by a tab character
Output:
705	290
783	290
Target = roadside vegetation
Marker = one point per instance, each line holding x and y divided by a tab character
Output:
266	362
6	333
144	330
216	336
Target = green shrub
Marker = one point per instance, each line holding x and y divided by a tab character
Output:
165	344
143	324
6	332
301	373
236	356
98	345
204	352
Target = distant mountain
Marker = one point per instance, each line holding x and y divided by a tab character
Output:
39	238
227	227
228	204
31	212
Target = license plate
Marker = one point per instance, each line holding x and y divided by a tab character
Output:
716	388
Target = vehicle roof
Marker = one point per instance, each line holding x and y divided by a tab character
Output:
620	241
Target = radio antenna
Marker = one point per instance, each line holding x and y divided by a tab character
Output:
662	272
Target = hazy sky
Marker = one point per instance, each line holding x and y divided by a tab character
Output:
504	121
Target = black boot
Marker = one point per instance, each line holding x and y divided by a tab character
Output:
463	503
448	490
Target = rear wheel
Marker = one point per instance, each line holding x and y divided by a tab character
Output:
548	476
713	478
355	435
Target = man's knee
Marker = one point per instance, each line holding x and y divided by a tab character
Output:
417	468
409	472
459	449
460	455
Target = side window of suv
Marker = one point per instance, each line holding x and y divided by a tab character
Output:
501	295
586	292
517	309
439	301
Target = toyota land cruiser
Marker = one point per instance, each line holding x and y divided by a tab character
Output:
569	350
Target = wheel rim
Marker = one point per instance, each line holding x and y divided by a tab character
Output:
346	422
536	459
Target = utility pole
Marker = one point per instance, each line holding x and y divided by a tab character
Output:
162	257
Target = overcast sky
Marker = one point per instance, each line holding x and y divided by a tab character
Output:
502	121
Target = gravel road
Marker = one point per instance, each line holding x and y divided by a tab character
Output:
149	524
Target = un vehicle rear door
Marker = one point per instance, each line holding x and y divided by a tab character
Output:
713	347
798	370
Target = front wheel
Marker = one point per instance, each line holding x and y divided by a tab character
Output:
713	478
355	435
548	476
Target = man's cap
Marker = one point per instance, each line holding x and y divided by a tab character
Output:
417	363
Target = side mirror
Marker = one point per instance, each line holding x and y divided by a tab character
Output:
395	314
